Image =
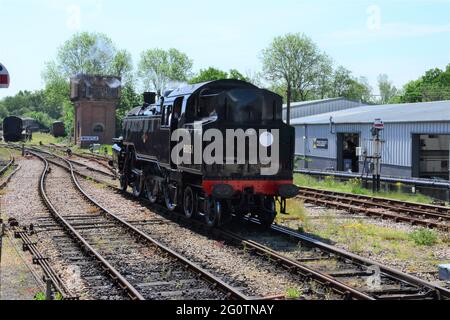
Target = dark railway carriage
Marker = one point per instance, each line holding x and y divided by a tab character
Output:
13	129
148	155
58	129
31	125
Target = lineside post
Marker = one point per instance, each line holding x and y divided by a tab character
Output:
48	289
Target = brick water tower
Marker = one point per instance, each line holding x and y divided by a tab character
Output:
95	99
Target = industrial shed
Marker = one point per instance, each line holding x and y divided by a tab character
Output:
415	139
310	108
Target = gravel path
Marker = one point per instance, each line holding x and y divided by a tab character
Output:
21	198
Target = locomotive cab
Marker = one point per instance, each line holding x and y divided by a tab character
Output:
237	153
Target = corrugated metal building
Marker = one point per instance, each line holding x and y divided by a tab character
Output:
310	108
416	139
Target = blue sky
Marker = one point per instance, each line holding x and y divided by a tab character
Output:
402	38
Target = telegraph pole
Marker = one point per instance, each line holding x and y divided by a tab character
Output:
288	106
378	126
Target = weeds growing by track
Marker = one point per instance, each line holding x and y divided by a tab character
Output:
354	186
420	249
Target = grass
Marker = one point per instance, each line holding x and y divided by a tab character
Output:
45	139
354	186
108	147
293	293
297	212
424	237
39	296
418	249
4	154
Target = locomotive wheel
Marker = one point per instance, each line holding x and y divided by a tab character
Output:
138	187
151	191
267	217
189	203
213	216
169	198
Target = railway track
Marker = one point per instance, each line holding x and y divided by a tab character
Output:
29	245
347	274
370	277
134	260
5	168
100	160
101	174
429	216
9	163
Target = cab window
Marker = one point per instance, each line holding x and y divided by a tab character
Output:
167	111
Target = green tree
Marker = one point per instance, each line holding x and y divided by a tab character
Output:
434	85
57	93
158	67
3	111
293	61
28	104
344	84
359	90
387	90
128	100
212	74
236	75
23	102
40	116
324	78
209	74
86	53
341	82
122	66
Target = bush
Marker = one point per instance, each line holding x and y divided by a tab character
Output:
39	296
293	294
424	237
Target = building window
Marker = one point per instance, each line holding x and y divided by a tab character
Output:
99	128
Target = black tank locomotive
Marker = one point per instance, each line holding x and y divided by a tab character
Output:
144	156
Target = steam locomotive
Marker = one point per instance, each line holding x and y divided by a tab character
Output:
218	150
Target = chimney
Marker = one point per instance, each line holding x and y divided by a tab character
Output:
149	98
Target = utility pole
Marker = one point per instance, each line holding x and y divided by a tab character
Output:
378	126
288	108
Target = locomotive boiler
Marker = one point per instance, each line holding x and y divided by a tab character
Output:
217	150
